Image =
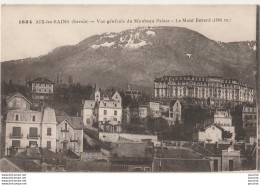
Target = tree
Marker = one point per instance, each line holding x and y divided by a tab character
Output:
226	134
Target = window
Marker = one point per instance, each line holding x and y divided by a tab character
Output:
115	105
34	143
33	132
105	112
105	104
115	119
16	143
115	112
17	117
49	144
33	118
231	164
48	131
16	131
66	126
215	165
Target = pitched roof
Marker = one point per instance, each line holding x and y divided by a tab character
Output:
109	104
42	80
17	94
131	150
75	122
49	115
177	152
89	104
181	165
8	166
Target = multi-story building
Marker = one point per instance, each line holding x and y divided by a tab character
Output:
27	127
88	112
69	133
249	117
18	101
223	119
41	89
106	110
133	93
216	89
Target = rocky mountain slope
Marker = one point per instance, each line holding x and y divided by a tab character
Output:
137	56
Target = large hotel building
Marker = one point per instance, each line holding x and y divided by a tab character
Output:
211	87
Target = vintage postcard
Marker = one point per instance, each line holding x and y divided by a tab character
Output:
129	88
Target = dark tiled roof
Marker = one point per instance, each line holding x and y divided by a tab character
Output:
131	150
177	153
181	165
42	80
27	165
17	94
75	122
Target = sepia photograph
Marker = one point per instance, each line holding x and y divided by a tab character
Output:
129	88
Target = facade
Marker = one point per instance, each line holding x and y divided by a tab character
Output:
154	109
30	128
211	134
215	88
105	109
69	133
88	113
18	101
41	89
223	119
249	117
134	94
175	111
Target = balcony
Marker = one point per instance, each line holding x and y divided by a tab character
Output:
73	140
64	130
37	136
17	136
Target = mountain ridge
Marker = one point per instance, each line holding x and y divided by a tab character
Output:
137	56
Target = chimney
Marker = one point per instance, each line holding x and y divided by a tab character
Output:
77	114
217	145
245	146
204	144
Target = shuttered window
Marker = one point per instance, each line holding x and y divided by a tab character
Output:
33	132
16	143
16	131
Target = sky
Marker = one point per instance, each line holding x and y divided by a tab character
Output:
20	41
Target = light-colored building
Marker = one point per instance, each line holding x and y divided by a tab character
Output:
143	111
224	120
41	89
69	133
88	112
217	89
249	117
154	109
175	111
27	127
210	134
17	101
106	110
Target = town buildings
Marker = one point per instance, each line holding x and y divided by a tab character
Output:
69	134
106	110
41	89
211	134
223	119
216	89
25	127
249	117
